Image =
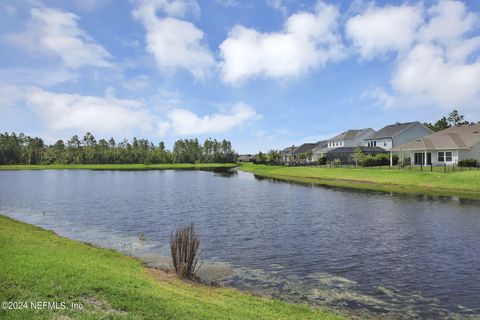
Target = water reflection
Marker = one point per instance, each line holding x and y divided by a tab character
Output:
369	253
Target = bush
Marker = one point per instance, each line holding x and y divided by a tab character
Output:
322	161
184	245
380	159
468	163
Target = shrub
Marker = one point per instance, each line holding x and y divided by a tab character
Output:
322	160
380	159
184	245
468	163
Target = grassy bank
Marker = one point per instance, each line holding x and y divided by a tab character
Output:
37	265
182	166
464	184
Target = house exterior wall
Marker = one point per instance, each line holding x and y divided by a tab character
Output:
415	132
473	153
435	156
384	143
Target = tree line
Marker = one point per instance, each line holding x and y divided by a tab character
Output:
23	149
453	119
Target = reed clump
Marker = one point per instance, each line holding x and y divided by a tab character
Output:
184	245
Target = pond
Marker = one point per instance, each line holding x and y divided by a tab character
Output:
366	253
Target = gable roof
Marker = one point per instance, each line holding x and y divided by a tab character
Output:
307	147
288	150
392	130
460	137
350	134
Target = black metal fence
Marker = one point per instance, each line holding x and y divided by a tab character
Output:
427	168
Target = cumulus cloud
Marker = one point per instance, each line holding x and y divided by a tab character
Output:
61	111
64	112
380	30
307	41
173	42
437	60
185	122
57	33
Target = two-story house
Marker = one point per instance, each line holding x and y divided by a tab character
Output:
396	134
348	139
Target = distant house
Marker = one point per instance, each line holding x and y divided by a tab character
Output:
246	158
306	150
350	138
287	153
444	147
396	134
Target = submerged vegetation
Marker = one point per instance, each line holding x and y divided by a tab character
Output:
37	265
22	149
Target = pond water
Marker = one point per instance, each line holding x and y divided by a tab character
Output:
366	253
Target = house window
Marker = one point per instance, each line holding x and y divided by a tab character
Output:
441	156
384	143
448	156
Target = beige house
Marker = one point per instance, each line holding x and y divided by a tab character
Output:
443	147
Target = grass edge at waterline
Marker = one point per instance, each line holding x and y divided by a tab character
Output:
38	265
464	184
162	166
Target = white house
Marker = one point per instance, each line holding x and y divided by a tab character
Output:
444	147
350	138
396	134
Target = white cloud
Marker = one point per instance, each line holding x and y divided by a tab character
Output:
185	122
278	5
448	21
426	77
61	111
228	3
308	41
173	42
10	95
174	8
57	33
380	30
437	63
45	77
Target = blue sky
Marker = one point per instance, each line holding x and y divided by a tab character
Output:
264	74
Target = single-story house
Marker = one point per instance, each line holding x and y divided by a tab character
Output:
350	138
443	147
396	134
345	154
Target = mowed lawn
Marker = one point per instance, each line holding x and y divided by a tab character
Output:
463	182
163	166
37	265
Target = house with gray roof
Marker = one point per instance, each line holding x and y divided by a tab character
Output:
294	153
396	134
443	147
349	138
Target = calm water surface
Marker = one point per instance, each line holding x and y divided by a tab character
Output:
368	253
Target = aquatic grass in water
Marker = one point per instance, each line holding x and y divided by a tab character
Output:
184	245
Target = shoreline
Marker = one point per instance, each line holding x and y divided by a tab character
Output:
359	179
37	264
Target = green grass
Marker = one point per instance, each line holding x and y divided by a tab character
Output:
464	184
37	265
182	166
